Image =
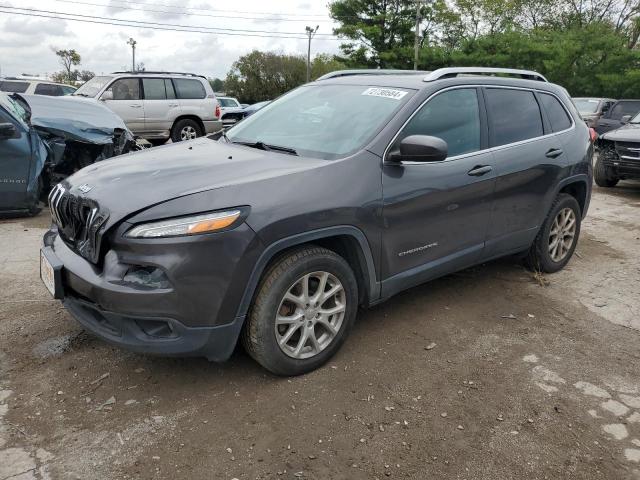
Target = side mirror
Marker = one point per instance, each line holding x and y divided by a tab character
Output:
420	148
7	130
625	119
107	95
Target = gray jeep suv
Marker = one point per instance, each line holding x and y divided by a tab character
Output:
337	195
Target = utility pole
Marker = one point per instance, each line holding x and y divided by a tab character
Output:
133	43
416	45
311	32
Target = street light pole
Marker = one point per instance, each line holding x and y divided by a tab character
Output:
416	45
311	32
133	43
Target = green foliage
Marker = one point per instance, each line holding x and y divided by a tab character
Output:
260	76
217	84
589	47
68	59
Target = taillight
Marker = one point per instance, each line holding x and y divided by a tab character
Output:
218	111
593	135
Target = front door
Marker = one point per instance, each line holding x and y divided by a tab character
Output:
436	213
15	162
126	102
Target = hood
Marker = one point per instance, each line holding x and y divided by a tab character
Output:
73	118
627	133
130	183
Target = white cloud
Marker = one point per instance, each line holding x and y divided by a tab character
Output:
26	42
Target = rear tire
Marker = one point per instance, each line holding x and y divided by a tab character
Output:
185	129
290	330
603	175
558	237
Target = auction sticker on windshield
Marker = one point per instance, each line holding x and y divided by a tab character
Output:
385	93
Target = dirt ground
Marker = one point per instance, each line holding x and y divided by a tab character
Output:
491	373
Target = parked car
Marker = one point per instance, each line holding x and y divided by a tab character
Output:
232	110
37	86
251	109
44	139
591	109
619	154
613	118
281	229
158	105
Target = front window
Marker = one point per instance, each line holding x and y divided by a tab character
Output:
322	121
92	87
126	89
624	108
227	102
586	105
16	109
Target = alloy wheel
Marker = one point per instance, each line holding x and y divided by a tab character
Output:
562	234
310	315
188	133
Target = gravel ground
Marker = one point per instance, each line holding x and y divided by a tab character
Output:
491	373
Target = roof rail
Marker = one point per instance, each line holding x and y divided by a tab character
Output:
370	71
148	72
455	71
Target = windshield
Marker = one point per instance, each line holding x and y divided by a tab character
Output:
322	121
635	119
15	109
586	105
92	87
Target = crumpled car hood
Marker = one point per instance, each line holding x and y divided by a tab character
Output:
73	118
627	133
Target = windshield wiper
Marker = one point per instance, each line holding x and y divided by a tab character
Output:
267	147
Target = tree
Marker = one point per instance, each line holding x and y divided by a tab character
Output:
86	75
68	59
260	76
217	84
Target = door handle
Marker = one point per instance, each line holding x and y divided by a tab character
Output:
553	153
135	106
173	105
479	170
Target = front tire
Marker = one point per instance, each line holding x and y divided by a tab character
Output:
558	237
304	308
603	175
185	129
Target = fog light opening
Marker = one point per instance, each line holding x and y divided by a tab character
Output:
147	277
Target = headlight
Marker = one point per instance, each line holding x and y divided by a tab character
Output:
180	226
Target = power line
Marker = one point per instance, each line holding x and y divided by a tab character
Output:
133	2
146	25
159	24
185	13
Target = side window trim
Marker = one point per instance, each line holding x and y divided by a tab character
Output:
546	122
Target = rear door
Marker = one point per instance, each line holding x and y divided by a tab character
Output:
436	213
528	160
193	99
161	107
127	103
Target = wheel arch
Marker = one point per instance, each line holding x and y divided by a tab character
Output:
347	241
578	187
195	118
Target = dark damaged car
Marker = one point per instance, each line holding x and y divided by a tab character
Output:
45	139
619	154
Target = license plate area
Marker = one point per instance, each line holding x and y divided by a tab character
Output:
51	272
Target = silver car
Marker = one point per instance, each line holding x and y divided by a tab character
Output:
158	105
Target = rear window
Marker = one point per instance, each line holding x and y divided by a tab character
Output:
48	89
15	87
621	109
557	114
189	89
514	115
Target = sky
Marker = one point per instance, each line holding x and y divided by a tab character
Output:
29	39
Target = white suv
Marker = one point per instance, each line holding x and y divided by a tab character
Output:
158	105
35	86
